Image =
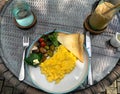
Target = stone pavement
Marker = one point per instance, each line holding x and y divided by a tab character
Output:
7	88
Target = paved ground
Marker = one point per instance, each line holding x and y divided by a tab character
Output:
7	88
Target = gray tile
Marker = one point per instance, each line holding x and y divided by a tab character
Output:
6	83
1	85
7	90
16	91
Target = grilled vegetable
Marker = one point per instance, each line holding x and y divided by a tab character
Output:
53	39
43	48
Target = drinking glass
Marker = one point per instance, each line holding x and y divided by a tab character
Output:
22	13
103	14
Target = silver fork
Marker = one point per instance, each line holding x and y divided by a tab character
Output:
22	69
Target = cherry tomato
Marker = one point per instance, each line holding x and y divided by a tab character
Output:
43	44
41	40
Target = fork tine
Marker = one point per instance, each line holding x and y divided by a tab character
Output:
25	39
28	40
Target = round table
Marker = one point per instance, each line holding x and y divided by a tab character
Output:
66	15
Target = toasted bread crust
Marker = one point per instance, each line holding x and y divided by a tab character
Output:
74	43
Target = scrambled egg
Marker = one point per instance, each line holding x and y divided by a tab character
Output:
60	64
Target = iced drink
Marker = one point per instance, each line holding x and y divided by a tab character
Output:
99	20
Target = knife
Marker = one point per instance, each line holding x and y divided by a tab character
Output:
88	46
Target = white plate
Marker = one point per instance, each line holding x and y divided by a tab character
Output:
70	82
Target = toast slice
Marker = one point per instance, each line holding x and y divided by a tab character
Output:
62	34
81	49
74	43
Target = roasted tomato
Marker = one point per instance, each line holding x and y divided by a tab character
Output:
43	44
41	40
